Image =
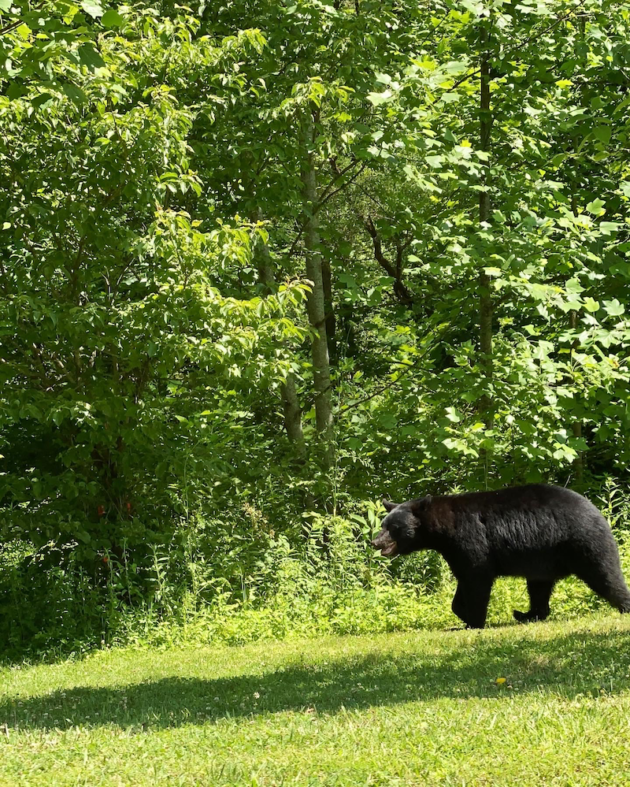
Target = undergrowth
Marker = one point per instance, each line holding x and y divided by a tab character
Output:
52	606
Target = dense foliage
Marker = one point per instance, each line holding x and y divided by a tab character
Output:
262	262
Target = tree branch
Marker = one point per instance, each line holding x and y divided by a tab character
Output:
395	271
520	46
18	22
391	384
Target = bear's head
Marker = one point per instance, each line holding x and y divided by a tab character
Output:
401	530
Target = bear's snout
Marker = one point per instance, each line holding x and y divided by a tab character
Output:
387	545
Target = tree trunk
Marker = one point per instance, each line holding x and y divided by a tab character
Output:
290	401
485	297
293	416
331	322
576	426
262	258
315	303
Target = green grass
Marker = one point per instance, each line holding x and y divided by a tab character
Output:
394	709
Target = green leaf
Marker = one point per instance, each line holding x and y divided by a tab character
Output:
5	5
74	93
573	285
591	305
90	57
41	99
596	207
380	98
614	307
15	90
92	7
435	161
539	292
603	134
112	18
454	67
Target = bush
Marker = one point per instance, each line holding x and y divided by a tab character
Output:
207	588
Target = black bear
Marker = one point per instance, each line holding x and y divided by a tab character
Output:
543	533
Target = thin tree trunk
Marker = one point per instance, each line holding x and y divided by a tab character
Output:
290	401
262	258
315	303
485	297
576	427
293	416
331	322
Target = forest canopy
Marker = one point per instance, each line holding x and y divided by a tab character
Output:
260	259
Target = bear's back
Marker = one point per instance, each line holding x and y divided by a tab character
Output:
526	530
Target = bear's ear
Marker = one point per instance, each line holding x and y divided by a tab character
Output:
389	506
421	504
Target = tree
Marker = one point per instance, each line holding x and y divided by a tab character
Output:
123	362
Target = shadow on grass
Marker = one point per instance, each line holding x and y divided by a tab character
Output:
576	664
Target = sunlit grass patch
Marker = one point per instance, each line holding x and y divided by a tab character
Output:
545	703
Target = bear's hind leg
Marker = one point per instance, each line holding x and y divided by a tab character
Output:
539	595
610	584
471	599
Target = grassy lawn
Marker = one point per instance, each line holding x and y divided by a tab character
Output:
398	709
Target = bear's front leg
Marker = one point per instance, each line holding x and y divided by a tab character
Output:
471	599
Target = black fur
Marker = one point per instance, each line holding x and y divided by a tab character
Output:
543	533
